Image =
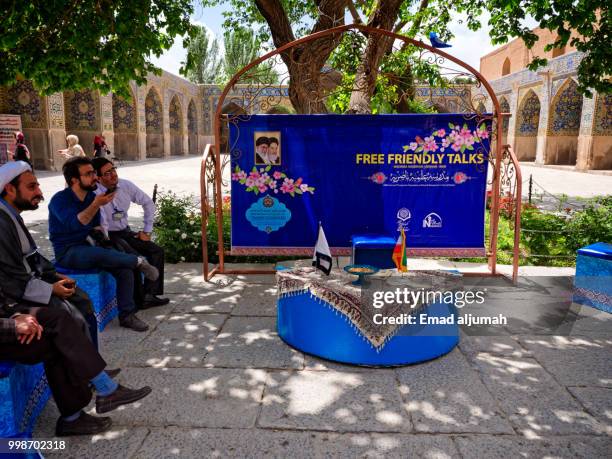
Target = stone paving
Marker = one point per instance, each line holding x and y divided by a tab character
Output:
225	385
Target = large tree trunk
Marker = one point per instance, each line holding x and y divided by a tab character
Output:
305	62
376	47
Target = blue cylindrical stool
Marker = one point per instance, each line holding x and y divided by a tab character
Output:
312	326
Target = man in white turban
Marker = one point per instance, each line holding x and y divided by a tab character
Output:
56	334
25	275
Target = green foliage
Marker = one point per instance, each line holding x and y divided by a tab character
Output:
592	224
178	227
415	19
72	44
241	48
552	238
543	233
589	18
204	64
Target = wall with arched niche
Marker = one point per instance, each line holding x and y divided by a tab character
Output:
192	128
154	119
504	106
175	117
527	122
601	153
564	125
125	127
22	99
82	117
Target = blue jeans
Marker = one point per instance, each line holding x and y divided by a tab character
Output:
120	265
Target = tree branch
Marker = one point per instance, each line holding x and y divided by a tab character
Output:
354	12
276	17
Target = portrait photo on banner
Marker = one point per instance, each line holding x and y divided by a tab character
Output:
267	148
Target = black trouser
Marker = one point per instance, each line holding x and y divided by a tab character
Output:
79	301
82	303
148	249
70	359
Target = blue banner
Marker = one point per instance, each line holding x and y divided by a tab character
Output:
358	174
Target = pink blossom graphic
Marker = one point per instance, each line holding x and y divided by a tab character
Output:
260	181
288	186
430	144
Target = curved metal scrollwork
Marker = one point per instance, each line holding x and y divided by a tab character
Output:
446	84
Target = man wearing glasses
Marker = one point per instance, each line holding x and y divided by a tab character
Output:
74	215
114	219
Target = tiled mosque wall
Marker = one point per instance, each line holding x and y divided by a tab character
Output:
571	129
550	122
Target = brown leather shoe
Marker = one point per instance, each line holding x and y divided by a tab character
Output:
86	424
122	396
133	322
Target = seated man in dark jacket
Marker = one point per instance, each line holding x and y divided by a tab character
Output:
72	364
25	275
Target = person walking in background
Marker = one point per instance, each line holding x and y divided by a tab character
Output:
99	146
74	149
21	152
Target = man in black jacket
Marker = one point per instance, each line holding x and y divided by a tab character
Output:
72	364
25	275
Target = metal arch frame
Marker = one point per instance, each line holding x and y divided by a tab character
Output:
214	154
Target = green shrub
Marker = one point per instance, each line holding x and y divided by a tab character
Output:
544	233
592	224
178	227
554	236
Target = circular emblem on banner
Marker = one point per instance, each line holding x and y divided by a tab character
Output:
460	178
268	201
403	214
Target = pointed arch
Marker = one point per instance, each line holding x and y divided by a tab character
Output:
23	99
124	114
175	116
175	113
564	118
192	128
566	110
506	67
528	116
527	125
505	108
153	112
154	123
125	127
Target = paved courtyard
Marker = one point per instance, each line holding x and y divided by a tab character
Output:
225	385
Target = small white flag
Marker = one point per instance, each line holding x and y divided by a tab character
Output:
322	258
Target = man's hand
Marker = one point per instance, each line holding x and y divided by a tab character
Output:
143	236
103	199
64	288
27	328
63	276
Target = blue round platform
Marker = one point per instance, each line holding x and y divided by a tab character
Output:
315	328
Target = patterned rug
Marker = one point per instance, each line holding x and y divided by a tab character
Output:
356	303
